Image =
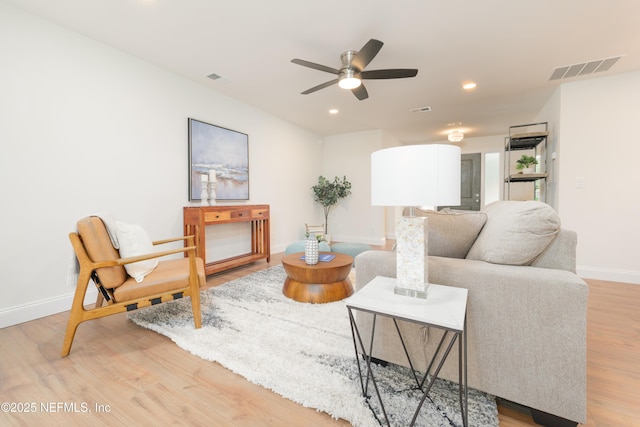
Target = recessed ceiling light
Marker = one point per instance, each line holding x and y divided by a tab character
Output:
334	111
469	86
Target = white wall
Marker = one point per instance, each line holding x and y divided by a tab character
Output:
598	144
86	129
354	219
552	115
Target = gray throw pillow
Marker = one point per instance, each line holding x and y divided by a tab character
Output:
516	232
451	233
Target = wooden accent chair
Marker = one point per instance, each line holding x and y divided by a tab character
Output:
100	262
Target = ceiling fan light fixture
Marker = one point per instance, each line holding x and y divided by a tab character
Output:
352	71
348	80
455	136
349	83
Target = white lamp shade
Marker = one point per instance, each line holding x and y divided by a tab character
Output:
416	175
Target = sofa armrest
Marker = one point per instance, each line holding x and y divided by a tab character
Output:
561	252
370	264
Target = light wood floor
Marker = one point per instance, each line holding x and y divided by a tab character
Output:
121	374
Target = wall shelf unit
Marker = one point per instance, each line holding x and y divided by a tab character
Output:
531	139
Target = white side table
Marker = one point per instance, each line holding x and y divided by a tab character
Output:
445	308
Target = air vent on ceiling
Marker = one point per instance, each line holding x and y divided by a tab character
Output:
213	76
584	68
420	110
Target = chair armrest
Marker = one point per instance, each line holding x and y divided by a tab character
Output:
173	239
132	259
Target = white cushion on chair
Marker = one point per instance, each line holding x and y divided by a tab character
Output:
134	240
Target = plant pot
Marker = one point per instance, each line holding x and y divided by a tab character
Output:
529	170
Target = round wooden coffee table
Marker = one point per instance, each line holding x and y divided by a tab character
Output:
319	283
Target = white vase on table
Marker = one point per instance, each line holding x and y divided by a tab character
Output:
311	250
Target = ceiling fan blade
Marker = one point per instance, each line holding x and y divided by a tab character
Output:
397	73
366	54
360	92
322	86
315	66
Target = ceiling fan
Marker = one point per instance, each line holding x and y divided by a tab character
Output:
352	72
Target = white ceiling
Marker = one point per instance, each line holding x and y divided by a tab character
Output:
508	47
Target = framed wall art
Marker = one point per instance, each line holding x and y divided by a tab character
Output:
220	154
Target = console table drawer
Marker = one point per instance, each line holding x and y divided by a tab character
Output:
217	216
260	213
240	214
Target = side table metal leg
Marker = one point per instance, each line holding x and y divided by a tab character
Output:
406	352
433	358
465	419
433	378
369	354
462	378
356	333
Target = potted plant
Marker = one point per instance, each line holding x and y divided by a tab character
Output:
327	193
526	164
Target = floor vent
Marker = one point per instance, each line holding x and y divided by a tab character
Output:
583	68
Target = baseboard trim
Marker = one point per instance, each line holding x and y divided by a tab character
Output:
608	274
377	241
277	248
37	309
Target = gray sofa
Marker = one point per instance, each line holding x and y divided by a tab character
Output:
526	312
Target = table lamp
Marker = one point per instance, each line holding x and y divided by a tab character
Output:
414	175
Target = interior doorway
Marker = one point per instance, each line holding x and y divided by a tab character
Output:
470	183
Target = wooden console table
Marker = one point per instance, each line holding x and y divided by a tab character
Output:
197	217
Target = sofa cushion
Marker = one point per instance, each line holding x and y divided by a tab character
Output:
169	275
451	233
351	249
516	232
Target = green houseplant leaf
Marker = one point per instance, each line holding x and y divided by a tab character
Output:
328	193
526	162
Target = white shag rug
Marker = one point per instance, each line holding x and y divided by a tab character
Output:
303	352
